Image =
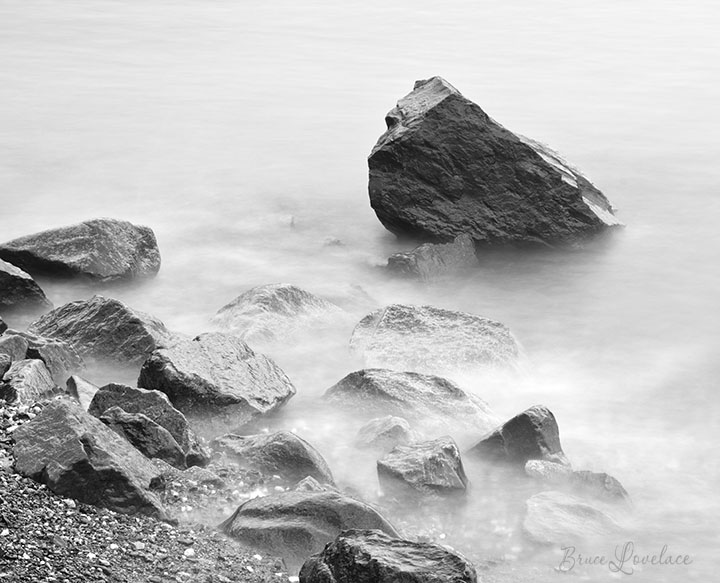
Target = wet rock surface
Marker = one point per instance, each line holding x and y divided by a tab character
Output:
19	291
433	260
100	249
384	433
444	168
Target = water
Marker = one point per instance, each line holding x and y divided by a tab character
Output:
240	133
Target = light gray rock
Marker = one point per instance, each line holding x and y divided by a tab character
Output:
26	381
432	260
19	291
81	390
61	359
13	345
384	433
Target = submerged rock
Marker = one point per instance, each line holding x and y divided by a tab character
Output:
372	556
76	456
430	467
296	524
282	453
26	381
105	329
101	249
600	486
434	340
217	380
19	291
384	433
444	168
272	312
432	260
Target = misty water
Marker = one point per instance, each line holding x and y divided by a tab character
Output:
239	132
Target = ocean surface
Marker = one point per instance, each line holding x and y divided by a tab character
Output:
239	132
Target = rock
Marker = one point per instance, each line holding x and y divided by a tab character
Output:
149	438
217	380
81	390
432	260
26	381
432	403
19	291
371	556
282	453
600	486
548	472
530	435
101	249
204	477
445	168
432	340
296	524
14	346
430	467
61	359
272	312
5	362
157	407
76	456
384	433
3	326
556	518
105	329
310	484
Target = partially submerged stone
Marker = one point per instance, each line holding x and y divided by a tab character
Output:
26	381
19	291
432	260
599	486
101	249
384	433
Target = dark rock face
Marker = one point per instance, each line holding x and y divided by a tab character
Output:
445	168
282	453
270	312
384	433
81	390
432	403
3	326
432	260
371	556
75	455
296	524
217	378
101	249
60	357
156	407
432	340
26	381
19	291
531	435
430	467
105	329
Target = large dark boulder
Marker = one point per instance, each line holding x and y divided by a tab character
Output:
371	556
19	291
155	406
432	403
76	456
217	380
271	312
104	329
530	435
445	168
26	381
61	359
431	260
432	340
296	524
101	249
282	453
429	467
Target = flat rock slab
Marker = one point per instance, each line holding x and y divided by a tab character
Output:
19	291
444	168
105	329
433	260
101	249
26	381
432	340
76	456
217	380
371	556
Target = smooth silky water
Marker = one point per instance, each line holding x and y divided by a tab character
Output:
239	132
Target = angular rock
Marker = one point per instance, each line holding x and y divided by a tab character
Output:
554	518
271	312
432	403
3	326
76	456
157	407
384	433
26	381
81	390
217	380
296	524
105	329
282	453
445	168
14	346
61	359
101	249
429	467
432	260
19	291
310	484
548	472
5	362
600	486
371	556
432	340
530	435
